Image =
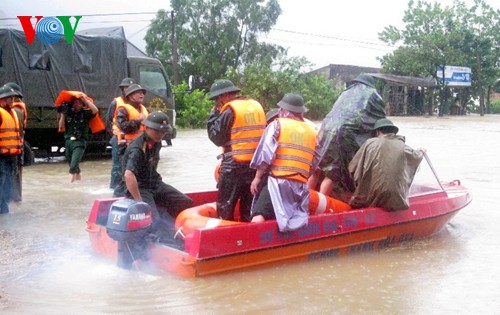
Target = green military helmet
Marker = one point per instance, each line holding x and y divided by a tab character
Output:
134	88
16	88
222	87
387	124
126	82
271	115
6	91
158	121
365	79
293	102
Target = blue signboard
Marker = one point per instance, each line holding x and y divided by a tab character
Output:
454	76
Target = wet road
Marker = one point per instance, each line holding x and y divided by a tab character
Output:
47	266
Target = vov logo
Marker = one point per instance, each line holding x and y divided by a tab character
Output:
49	30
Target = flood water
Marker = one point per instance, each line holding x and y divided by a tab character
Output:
48	267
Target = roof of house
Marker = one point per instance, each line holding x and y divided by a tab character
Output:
406	80
344	73
347	73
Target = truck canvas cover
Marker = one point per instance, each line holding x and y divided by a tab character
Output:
95	63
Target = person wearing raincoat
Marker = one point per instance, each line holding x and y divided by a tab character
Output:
383	169
348	125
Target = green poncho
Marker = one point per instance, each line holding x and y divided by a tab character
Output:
348	125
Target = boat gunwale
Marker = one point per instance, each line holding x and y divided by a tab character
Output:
325	236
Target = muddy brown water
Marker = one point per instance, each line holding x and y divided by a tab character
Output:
48	267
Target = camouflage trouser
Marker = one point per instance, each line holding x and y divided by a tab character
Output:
335	165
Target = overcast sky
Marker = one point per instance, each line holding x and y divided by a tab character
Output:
325	32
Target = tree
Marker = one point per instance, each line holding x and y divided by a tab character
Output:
436	36
212	36
218	39
481	28
192	106
267	81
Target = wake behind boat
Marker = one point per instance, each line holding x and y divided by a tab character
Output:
205	245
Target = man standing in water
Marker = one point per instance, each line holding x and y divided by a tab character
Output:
10	145
113	129
74	120
128	119
22	114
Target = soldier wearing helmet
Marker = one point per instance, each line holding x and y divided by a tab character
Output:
74	120
114	131
235	124
129	118
383	169
342	132
10	145
142	180
22	114
283	161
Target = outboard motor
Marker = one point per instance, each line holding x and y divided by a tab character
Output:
128	222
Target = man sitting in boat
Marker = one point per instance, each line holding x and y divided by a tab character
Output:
142	180
383	169
283	161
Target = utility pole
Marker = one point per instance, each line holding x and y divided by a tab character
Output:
175	55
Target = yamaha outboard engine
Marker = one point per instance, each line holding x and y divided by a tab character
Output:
128	222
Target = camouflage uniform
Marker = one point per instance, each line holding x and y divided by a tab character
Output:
348	125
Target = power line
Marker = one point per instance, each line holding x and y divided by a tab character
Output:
329	37
321	44
360	43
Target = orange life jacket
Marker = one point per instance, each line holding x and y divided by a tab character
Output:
295	153
248	126
20	104
133	113
10	133
119	101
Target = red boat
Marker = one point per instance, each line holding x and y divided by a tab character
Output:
208	245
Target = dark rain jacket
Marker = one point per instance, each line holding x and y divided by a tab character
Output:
219	127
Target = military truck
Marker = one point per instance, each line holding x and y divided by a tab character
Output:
95	62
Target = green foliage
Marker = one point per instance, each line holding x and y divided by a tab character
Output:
267	82
212	36
218	39
192	107
434	35
259	81
495	107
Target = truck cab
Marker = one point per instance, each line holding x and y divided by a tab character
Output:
150	74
